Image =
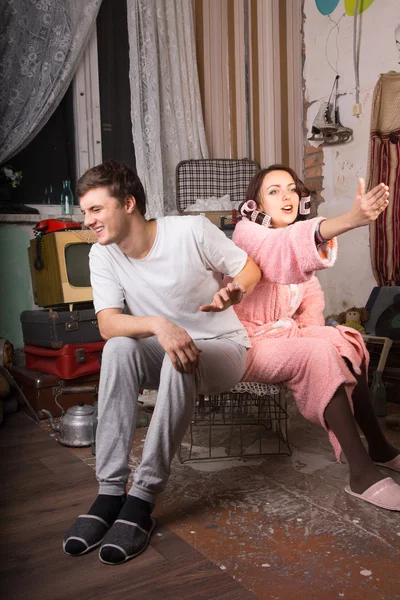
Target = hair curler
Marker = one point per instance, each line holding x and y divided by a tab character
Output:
249	210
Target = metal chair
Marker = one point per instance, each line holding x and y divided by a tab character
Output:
253	410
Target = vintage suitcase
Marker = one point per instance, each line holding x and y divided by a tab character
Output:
214	177
205	178
41	389
69	362
55	328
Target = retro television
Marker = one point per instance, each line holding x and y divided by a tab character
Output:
59	266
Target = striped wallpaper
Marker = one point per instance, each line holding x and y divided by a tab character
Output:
242	62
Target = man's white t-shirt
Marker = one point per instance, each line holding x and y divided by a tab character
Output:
181	272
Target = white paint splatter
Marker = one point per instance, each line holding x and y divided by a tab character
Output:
265	565
309	462
211	466
365	572
299	520
356	521
222	568
192	532
159	534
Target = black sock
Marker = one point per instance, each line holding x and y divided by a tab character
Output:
130	533
107	507
137	511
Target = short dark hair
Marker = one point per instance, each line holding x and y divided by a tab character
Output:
253	190
120	180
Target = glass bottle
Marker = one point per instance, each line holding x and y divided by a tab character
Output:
67	199
378	395
50	195
94	427
142	418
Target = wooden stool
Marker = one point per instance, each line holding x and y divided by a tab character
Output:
386	345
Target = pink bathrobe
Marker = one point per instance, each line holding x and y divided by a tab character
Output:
284	318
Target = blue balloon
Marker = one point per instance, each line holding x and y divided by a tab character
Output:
325	7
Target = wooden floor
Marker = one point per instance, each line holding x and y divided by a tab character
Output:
43	488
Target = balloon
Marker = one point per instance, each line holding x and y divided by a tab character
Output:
325	7
350	6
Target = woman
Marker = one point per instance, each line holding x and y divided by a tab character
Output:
325	367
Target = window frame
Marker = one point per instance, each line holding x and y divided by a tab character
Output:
87	121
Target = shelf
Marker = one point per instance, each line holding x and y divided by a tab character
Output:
27	219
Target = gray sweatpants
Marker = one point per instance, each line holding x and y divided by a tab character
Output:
129	364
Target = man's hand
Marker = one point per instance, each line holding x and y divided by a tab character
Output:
225	297
368	207
179	346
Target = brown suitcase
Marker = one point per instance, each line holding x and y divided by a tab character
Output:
41	389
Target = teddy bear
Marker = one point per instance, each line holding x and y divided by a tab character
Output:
354	317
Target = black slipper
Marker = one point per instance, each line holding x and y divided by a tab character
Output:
124	541
85	534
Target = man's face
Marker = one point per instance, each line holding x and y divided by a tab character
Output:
105	216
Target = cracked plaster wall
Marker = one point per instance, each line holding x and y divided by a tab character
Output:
350	281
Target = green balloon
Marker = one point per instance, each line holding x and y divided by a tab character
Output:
350	6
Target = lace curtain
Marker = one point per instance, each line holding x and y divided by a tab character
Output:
166	110
41	43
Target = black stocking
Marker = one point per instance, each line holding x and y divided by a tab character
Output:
339	418
379	448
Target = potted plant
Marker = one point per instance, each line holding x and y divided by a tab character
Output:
9	180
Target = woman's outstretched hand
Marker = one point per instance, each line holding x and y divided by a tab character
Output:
365	210
368	207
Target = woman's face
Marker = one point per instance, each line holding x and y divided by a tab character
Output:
279	199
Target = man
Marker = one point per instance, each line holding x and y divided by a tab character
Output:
170	326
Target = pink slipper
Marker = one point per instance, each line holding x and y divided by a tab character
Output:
393	464
384	493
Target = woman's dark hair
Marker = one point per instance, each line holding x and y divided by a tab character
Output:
120	180
253	190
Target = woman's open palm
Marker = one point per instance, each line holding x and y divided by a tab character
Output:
367	207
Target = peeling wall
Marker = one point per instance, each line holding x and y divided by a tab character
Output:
350	281
16	290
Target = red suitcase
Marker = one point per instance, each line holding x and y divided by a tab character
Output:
73	360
